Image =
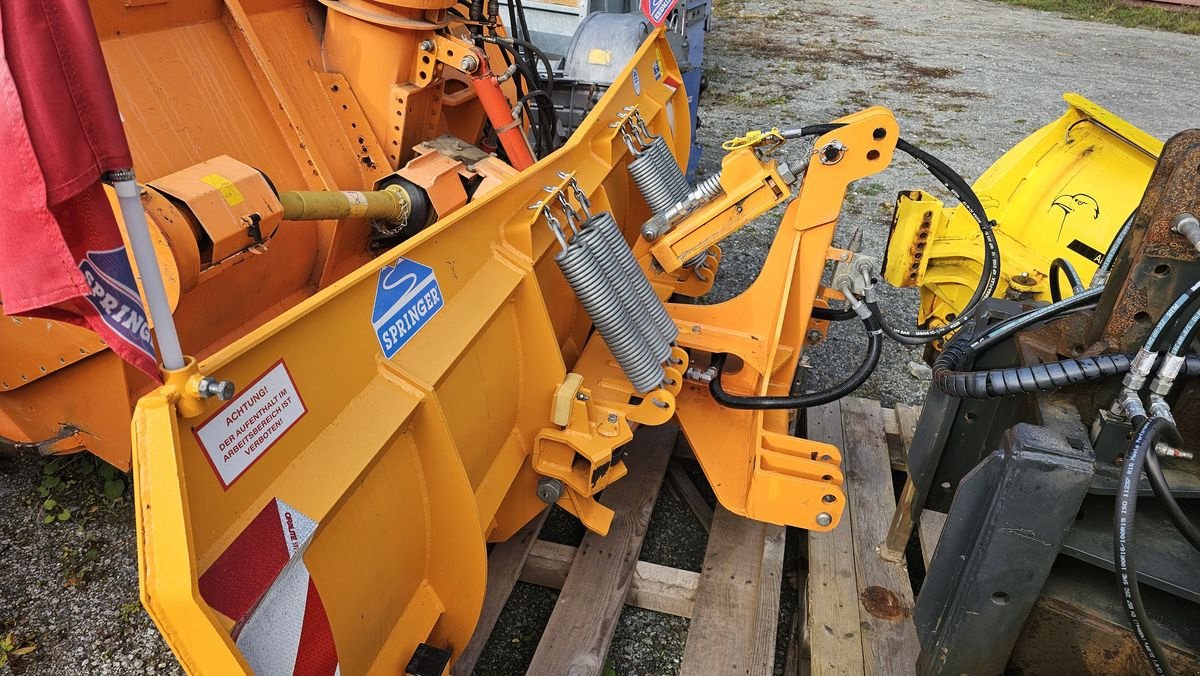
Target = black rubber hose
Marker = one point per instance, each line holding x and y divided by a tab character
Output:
829	314
1158	481
1005	328
1001	382
856	379
1064	266
989	275
1123	550
1110	256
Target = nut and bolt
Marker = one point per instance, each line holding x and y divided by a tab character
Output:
612	418
832	152
211	387
581	396
549	490
824	519
426	45
1187	225
814	336
469	64
695	328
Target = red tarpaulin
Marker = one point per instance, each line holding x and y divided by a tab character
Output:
61	253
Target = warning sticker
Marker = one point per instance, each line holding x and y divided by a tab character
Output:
228	189
657	10
241	432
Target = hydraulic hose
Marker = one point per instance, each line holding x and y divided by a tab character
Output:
1187	334
829	314
1063	265
1000	382
1158	481
798	401
1002	330
1153	340
990	274
1147	435
1110	256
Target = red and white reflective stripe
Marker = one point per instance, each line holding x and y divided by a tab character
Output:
288	632
260	581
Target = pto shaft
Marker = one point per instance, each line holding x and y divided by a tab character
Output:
392	204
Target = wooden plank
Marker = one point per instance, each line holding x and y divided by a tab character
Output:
682	483
737	603
835	637
901	529
907	417
895	446
762	657
889	638
929	531
584	618
654	587
504	566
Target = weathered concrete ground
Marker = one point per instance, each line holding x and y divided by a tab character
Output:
966	78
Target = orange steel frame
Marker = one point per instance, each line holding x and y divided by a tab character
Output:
315	98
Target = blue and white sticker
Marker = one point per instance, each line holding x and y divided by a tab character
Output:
637	83
407	296
115	297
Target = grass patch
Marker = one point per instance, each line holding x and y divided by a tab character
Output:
1119	13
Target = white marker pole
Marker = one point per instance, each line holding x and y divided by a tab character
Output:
129	198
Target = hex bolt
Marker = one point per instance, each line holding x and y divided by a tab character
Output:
1187	225
469	64
426	45
612	418
824	519
211	387
549	490
814	336
581	396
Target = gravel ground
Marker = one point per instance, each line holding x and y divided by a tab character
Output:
966	78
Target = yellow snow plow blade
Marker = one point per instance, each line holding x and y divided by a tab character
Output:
333	515
1064	192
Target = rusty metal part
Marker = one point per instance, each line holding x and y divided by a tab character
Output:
1156	264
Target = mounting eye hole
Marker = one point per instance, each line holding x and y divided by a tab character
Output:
879	133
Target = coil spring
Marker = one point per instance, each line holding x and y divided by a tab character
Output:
595	292
658	177
597	243
631	273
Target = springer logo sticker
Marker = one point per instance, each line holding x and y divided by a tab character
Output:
407	296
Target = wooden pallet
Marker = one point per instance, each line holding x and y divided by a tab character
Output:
860	603
854	612
733	602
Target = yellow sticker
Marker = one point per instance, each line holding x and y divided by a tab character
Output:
600	57
229	191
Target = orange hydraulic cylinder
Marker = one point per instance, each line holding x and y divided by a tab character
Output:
512	136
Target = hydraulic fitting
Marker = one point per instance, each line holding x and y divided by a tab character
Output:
1164	450
1165	379
1128	405
1159	408
1187	225
1140	369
